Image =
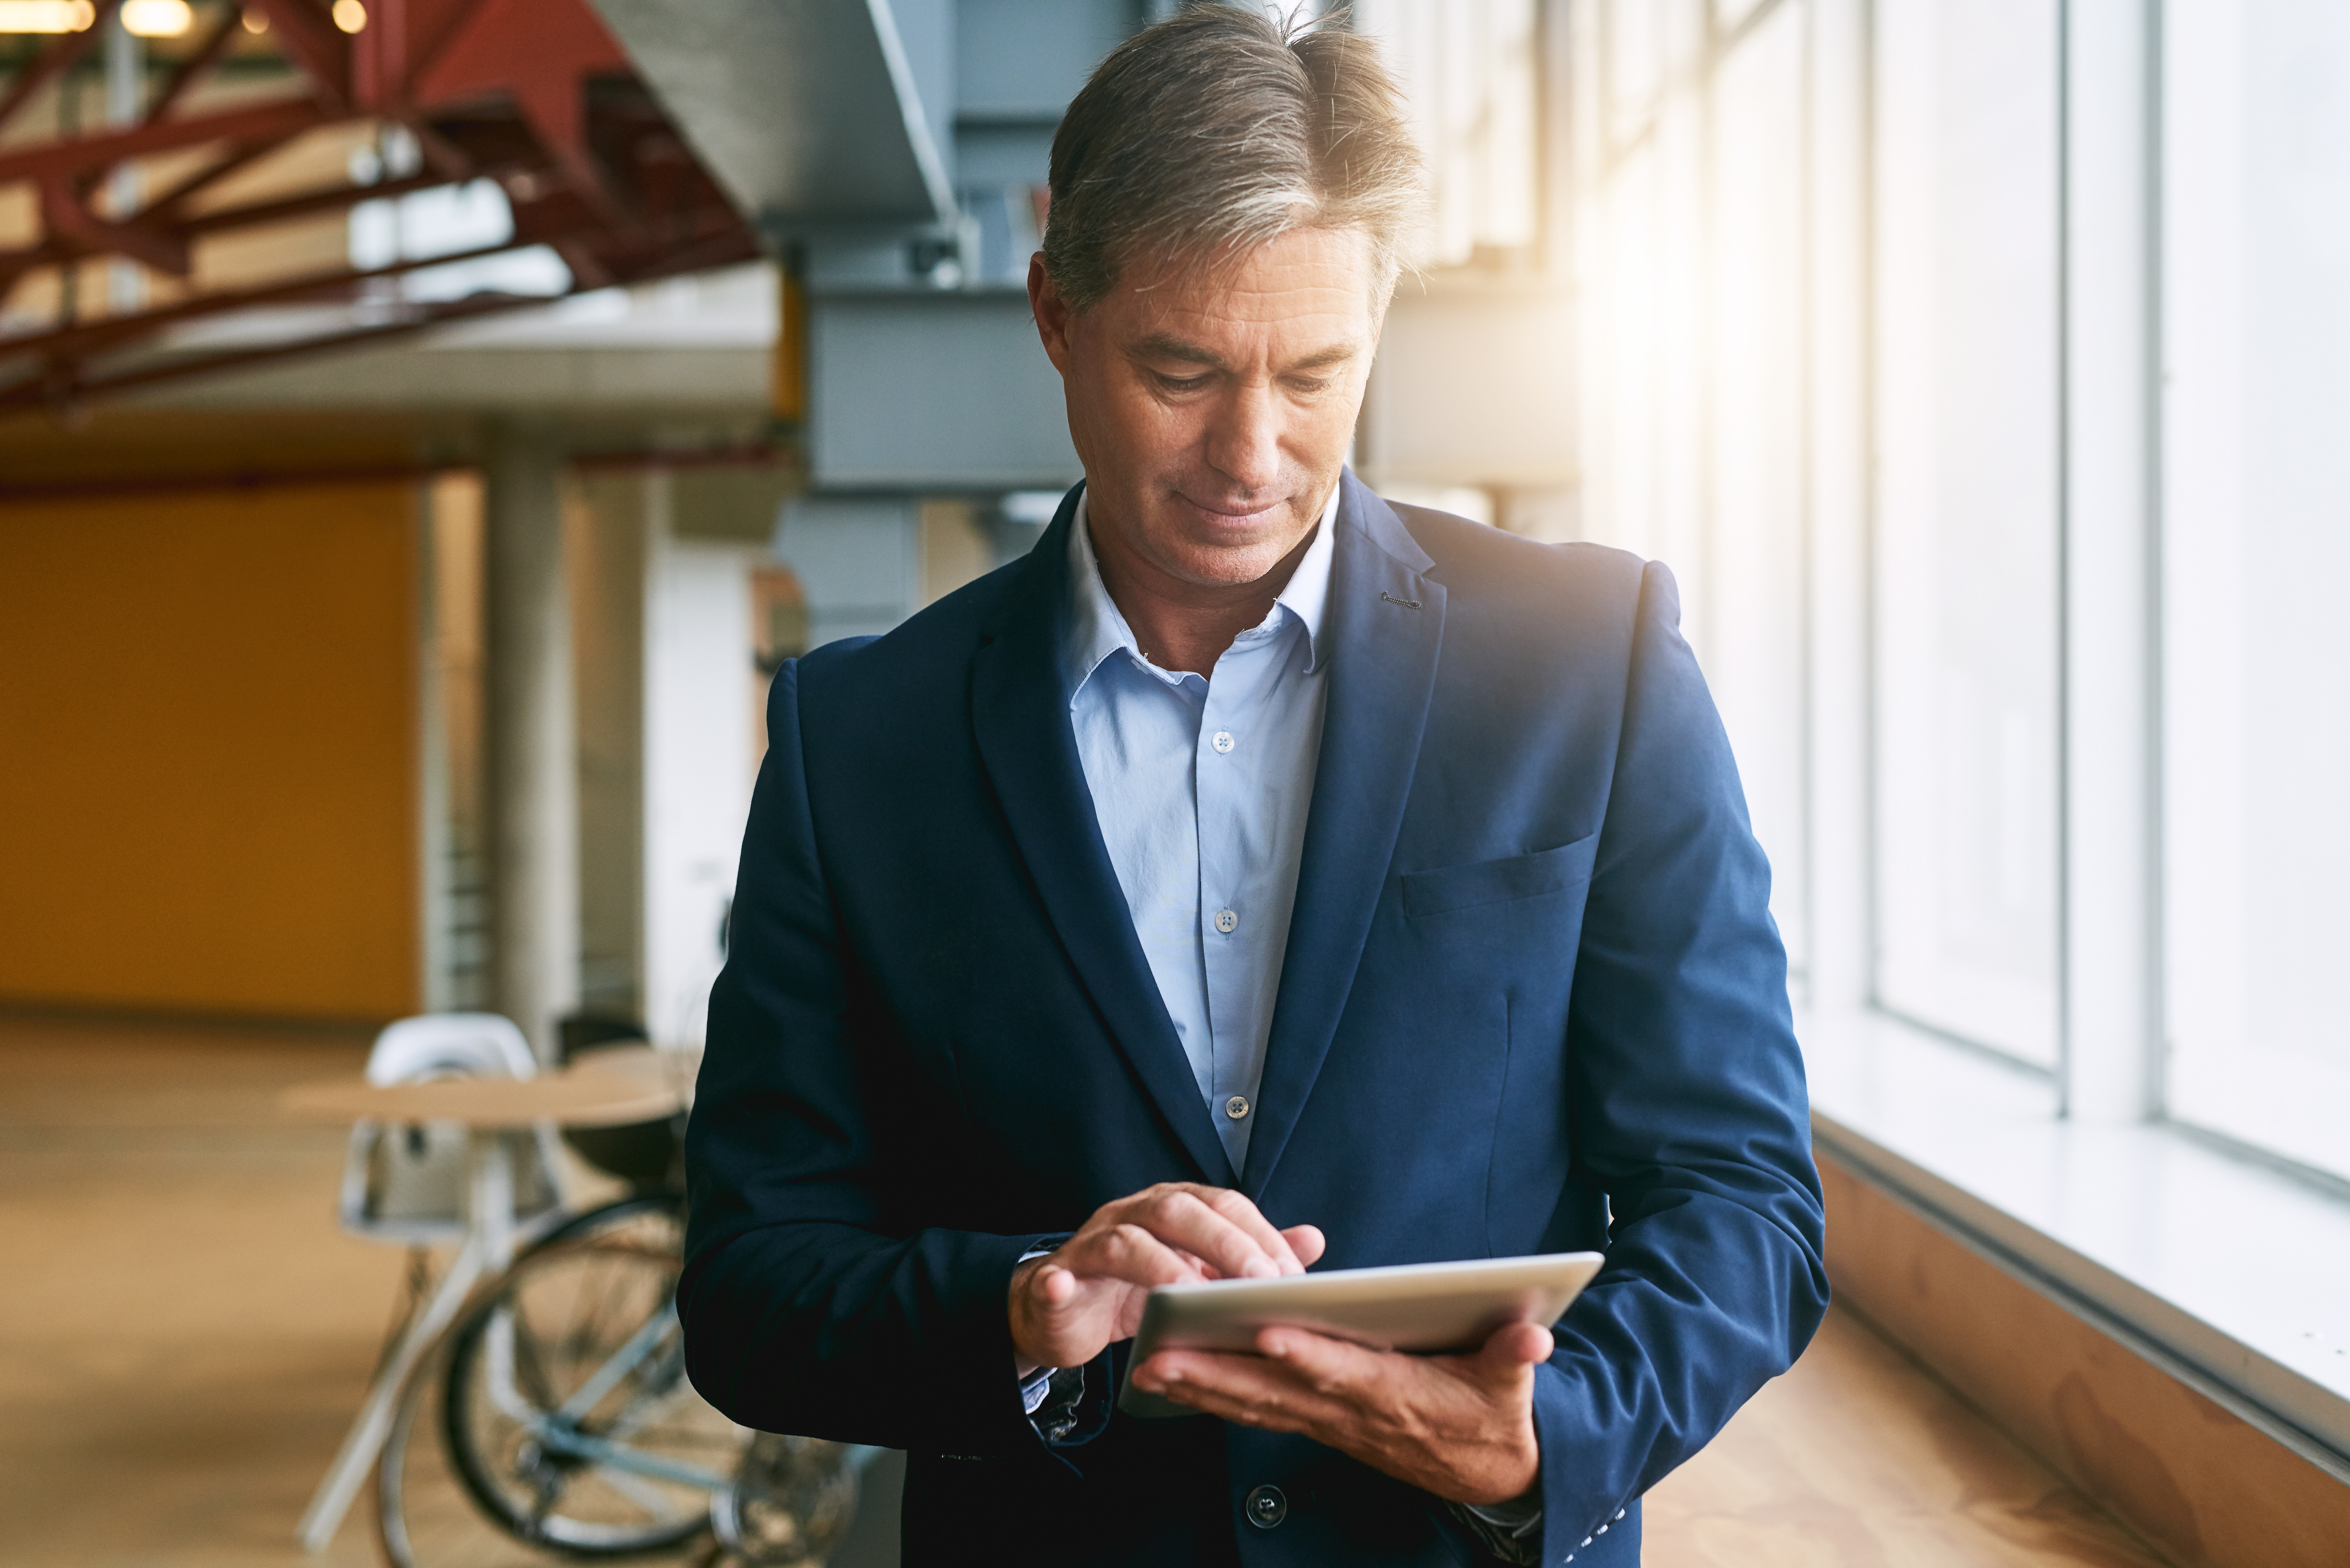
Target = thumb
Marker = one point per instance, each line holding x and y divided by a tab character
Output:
1056	1287
1516	1346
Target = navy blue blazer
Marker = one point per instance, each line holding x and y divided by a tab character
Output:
1533	1002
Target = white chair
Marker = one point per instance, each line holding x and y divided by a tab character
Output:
483	1190
406	1184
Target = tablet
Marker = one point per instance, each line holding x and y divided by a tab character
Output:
1430	1308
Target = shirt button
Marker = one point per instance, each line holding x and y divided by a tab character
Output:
1266	1507
1227	922
1237	1106
1222	740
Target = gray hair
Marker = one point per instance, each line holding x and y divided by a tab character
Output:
1219	130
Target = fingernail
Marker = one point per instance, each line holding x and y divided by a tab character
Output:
1261	1267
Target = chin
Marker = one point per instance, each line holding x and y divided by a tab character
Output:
1225	565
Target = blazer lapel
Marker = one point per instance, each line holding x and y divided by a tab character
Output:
1019	712
1387	620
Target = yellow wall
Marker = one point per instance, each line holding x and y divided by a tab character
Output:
208	769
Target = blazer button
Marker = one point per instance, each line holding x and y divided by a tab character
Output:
1266	1507
1237	1106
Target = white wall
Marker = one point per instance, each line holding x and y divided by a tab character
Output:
700	689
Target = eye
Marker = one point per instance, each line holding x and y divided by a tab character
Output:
1180	383
1308	383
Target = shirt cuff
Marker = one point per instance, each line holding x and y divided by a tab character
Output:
1055	1398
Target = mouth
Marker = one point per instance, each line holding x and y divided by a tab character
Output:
1231	513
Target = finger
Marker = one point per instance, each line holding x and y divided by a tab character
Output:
1275	1244
1245	1388
1200	1220
1208	1271
1306	1242
1267	1417
1332	1366
1128	1254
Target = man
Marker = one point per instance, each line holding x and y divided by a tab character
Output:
1256	876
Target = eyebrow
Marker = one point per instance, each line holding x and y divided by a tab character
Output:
1166	346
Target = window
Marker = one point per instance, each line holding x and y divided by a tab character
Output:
1967	494
1692	218
1467	67
2256	571
2012	508
1841	368
1757	309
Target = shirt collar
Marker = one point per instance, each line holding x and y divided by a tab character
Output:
1098	630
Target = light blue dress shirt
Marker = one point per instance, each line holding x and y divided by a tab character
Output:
1202	785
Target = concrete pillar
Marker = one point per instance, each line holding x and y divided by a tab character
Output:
534	792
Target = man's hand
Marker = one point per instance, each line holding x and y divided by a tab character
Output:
1461	1426
1069	1307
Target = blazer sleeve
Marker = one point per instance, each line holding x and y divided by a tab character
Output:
802	1311
1687	1107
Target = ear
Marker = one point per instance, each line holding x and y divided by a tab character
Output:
1051	312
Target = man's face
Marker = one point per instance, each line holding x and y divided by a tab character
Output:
1213	412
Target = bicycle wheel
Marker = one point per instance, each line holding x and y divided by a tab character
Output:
566	1411
649	1218
425	1518
792	1501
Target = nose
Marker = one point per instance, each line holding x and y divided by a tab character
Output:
1244	440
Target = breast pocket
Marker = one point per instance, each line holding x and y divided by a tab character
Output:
1501	881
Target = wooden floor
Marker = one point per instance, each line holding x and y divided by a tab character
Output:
183	1336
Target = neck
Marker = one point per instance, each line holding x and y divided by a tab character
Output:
1179	624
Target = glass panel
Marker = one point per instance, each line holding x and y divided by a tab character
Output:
1643	407
1729	14
2256	563
1693	396
1757	541
1966	499
1468	71
1649	49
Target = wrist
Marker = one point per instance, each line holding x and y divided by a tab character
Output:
1521	1474
1512	1473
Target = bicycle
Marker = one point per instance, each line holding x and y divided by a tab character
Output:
554	1417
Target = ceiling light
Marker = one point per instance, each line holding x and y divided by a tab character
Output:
45	15
157	18
349	16
256	21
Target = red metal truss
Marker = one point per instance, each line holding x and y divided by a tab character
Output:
533	94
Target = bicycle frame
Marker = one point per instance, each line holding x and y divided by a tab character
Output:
559	1432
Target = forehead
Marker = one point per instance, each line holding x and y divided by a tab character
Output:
1316	283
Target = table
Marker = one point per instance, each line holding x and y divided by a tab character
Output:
610	1087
